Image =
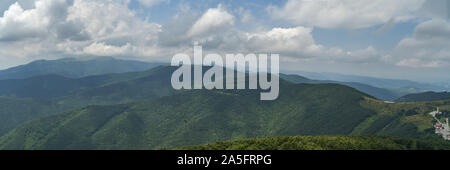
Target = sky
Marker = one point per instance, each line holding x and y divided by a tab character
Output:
402	39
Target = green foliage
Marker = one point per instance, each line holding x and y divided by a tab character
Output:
325	143
148	114
123	88
197	117
75	93
17	111
379	93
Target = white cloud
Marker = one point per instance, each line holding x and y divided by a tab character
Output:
60	28
296	41
214	20
370	54
418	63
101	49
103	20
292	43
428	47
345	13
17	23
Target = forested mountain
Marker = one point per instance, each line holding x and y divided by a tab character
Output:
379	93
423	97
16	111
201	116
399	87
54	86
324	143
47	95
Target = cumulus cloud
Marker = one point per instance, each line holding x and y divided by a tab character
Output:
214	20
296	41
111	21
60	28
101	49
214	30
76	27
350	14
17	23
428	47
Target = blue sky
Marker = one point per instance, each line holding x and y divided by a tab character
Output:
408	39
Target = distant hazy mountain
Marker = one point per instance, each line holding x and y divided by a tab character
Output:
196	117
424	97
53	86
400	87
75	67
379	93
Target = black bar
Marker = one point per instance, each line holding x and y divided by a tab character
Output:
273	159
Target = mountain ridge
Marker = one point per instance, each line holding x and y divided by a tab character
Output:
196	117
75	67
379	93
424	97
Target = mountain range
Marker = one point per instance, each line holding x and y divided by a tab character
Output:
203	116
75	67
397	86
140	110
379	93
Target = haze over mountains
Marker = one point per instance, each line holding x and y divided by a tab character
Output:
399	87
379	93
203	116
423	97
57	77
140	110
75	67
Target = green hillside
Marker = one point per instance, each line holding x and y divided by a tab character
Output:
201	116
16	111
379	93
324	143
401	119
140	85
47	95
